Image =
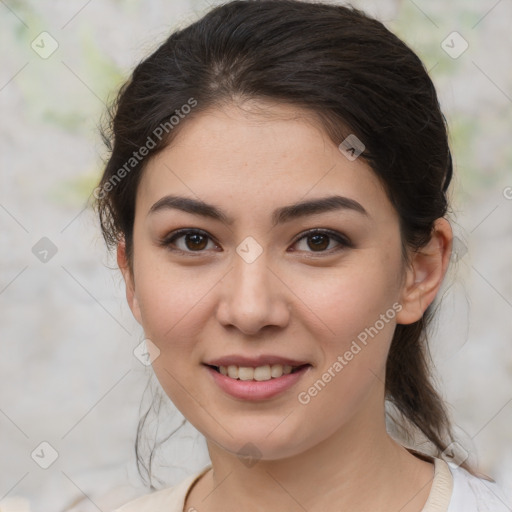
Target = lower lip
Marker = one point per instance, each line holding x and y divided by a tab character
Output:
256	390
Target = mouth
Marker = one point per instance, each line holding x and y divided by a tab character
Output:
259	381
257	373
256	377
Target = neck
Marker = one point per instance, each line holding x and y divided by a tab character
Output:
355	469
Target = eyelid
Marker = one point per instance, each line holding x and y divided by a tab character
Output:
174	235
339	237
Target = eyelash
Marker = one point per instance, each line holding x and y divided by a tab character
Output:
342	240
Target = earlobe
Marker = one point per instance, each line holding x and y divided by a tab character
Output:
124	266
425	275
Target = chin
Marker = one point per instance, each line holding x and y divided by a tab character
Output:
263	443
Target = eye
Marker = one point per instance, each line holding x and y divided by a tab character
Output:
320	240
197	241
188	240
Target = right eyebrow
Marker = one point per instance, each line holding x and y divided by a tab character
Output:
190	205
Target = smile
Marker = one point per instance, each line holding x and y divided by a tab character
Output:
259	373
256	383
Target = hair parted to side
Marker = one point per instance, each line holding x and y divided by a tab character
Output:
348	71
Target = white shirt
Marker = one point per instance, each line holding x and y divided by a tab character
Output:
472	494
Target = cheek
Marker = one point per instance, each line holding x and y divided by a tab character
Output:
357	306
349	300
351	376
172	304
171	301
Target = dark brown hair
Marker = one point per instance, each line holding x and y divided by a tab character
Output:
350	72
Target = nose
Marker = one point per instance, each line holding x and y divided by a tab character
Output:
253	297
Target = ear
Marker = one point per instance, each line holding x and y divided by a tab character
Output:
124	266
426	273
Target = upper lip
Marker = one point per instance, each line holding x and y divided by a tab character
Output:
261	360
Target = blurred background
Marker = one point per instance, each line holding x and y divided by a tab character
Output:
72	387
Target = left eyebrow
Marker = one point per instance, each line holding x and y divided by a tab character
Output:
315	206
279	216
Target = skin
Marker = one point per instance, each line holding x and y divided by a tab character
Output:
294	300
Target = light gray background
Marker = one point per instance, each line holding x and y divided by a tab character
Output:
69	377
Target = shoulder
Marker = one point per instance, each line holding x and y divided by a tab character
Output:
171	499
473	494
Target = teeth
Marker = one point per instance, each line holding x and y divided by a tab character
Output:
262	373
245	373
259	373
276	370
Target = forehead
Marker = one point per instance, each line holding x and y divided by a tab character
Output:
260	155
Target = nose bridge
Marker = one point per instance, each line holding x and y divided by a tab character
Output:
251	271
252	297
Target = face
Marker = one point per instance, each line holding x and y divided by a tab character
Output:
236	276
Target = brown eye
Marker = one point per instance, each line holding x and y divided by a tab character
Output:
195	241
318	242
322	241
188	240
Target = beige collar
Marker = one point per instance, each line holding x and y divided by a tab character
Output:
442	484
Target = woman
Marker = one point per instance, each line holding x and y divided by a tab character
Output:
276	193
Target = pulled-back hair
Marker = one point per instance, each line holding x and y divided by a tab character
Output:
356	77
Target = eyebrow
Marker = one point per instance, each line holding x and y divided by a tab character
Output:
279	216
